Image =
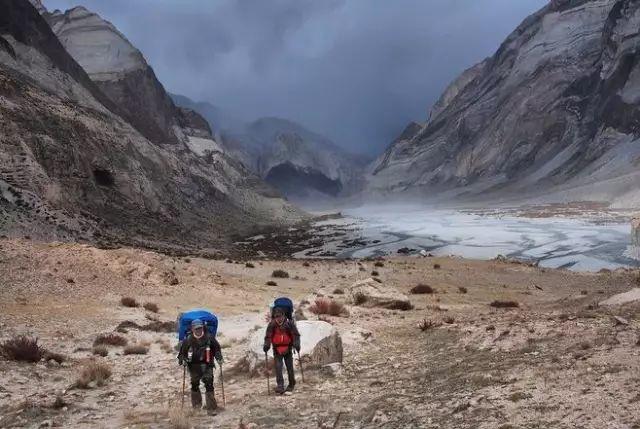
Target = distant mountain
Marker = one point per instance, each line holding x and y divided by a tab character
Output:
219	119
74	166
554	115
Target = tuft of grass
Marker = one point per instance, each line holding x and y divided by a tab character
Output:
249	265
22	349
449	320
272	283
51	356
96	373
151	306
306	264
375	273
328	306
422	289
101	350
127	301
136	349
110	339
280	274
504	304
426	325
462	289
359	298
379	264
436	266
399	305
179	418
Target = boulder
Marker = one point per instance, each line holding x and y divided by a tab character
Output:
321	345
623	298
369	293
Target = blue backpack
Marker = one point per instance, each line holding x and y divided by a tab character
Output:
184	322
286	304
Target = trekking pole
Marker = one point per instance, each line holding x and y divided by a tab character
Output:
224	401
184	380
300	362
266	366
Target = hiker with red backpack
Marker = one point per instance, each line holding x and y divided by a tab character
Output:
197	352
283	335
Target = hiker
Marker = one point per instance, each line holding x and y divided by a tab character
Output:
197	352
283	334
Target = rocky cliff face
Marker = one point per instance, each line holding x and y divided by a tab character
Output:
295	160
553	115
72	168
120	71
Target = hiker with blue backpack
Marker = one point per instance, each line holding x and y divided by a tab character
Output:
283	335
198	349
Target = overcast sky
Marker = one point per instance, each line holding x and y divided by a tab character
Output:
355	70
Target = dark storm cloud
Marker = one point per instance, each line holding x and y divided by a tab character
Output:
355	70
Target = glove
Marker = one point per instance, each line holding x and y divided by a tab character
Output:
265	348
220	360
297	347
181	361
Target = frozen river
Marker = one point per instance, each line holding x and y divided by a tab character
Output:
582	243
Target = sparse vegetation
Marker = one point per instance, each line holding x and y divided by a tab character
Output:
271	283
136	349
56	357
436	266
22	349
280	274
306	264
338	291
101	350
359	298
462	289
328	306
377	279
152	307
127	301
504	304
449	320
110	339
93	374
375	273
426	324
422	289
179	418
400	305
379	264
249	265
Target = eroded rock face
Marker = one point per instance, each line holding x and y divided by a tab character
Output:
71	167
555	109
320	345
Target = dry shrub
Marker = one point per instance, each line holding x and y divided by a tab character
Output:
379	264
399	305
425	325
280	274
436	266
376	279
504	304
56	357
375	273
422	289
22	349
338	291
58	403
151	306
127	301
449	320
306	264
153	326
110	339
179	418
136	349
249	265
93	373
328	306
272	283
462	289
101	351
359	298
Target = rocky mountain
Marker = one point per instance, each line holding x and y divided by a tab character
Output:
553	115
72	166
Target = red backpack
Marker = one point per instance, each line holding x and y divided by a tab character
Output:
281	339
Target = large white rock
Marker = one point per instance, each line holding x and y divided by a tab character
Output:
369	293
623	298
320	344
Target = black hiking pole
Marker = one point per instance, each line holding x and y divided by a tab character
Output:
266	366
224	401
300	362
184	380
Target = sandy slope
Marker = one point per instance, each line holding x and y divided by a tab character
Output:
557	361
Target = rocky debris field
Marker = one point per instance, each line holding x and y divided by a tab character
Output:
492	344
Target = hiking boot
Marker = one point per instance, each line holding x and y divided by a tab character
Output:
196	400
279	390
290	388
211	404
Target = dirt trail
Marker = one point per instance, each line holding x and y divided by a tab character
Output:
558	360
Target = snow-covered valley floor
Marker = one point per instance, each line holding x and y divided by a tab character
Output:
587	241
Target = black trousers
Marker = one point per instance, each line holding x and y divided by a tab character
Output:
282	360
201	372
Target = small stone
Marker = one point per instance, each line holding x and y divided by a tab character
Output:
620	320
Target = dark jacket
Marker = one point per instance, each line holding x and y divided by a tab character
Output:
198	348
289	326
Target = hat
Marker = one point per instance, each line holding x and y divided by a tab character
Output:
197	323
